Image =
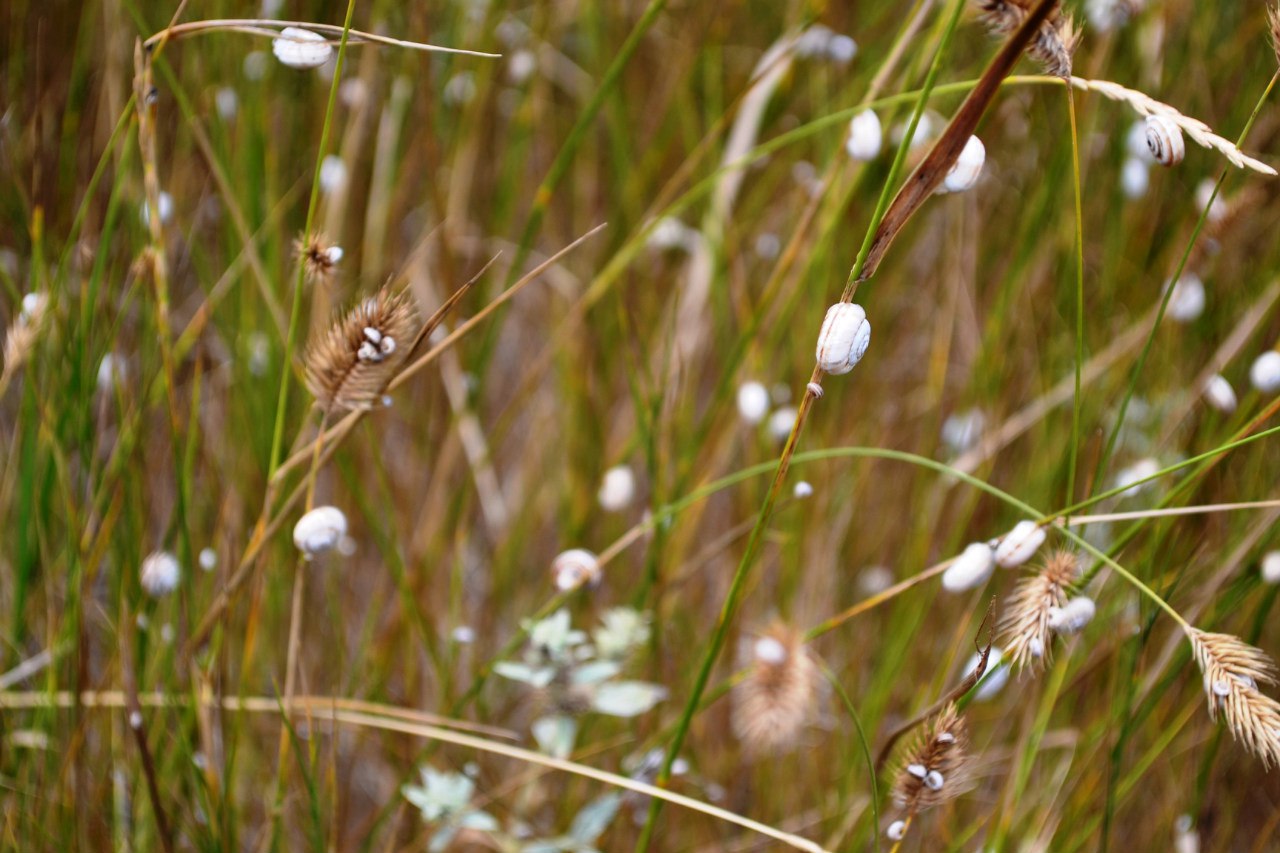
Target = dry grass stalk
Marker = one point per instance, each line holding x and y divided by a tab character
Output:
1233	669
1055	39
936	767
779	696
1199	132
1025	624
1273	22
351	364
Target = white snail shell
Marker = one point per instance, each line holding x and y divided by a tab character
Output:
319	530
1265	372
160	574
299	48
617	488
1135	176
967	168
1019	544
865	136
1220	394
971	569
753	402
574	568
844	338
1270	569
1186	303
1073	616
1164	140
896	830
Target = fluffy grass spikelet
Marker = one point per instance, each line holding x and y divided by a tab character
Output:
349	365
779	696
936	766
1054	43
1232	670
1025	624
318	257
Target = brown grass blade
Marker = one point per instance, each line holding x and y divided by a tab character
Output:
929	174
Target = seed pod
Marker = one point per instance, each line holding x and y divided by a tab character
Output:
299	48
574	568
1219	393
1019	544
319	530
1265	372
971	569
964	173
865	136
844	338
1164	140
1073	616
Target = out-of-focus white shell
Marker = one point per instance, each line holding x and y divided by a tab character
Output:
1270	569
1265	372
865	136
770	650
1132	479
1186	303
781	421
1019	544
1073	616
971	569
967	168
995	677
574	568
617	488
1219	393
896	830
1218	209
333	173
160	574
299	48
1164	140
844	338
802	490
319	530
963	430
753	402
1135	177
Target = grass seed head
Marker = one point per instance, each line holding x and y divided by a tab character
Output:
1232	671
779	696
1028	621
351	363
1054	43
936	766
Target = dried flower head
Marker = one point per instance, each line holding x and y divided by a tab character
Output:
1054	43
779	696
348	367
1027	624
936	766
318	258
1232	672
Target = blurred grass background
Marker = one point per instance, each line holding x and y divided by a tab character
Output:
488	464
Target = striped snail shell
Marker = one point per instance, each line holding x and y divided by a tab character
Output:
844	338
1164	140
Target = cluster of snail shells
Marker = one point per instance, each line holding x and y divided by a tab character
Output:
1164	140
844	338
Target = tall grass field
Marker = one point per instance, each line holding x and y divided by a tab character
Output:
647	425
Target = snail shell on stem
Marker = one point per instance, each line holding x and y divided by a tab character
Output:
1164	140
844	338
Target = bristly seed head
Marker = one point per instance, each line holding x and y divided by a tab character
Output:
779	695
1027	624
318	258
1053	44
936	766
348	367
1232	671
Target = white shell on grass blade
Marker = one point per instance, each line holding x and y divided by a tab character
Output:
574	568
319	530
1019	544
967	168
160	574
617	488
1073	616
1219	393
865	136
896	830
993	679
971	569
1270	569
1186	303
1264	375
753	402
1164	140
844	338
299	48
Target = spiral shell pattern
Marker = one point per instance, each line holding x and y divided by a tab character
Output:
1164	141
